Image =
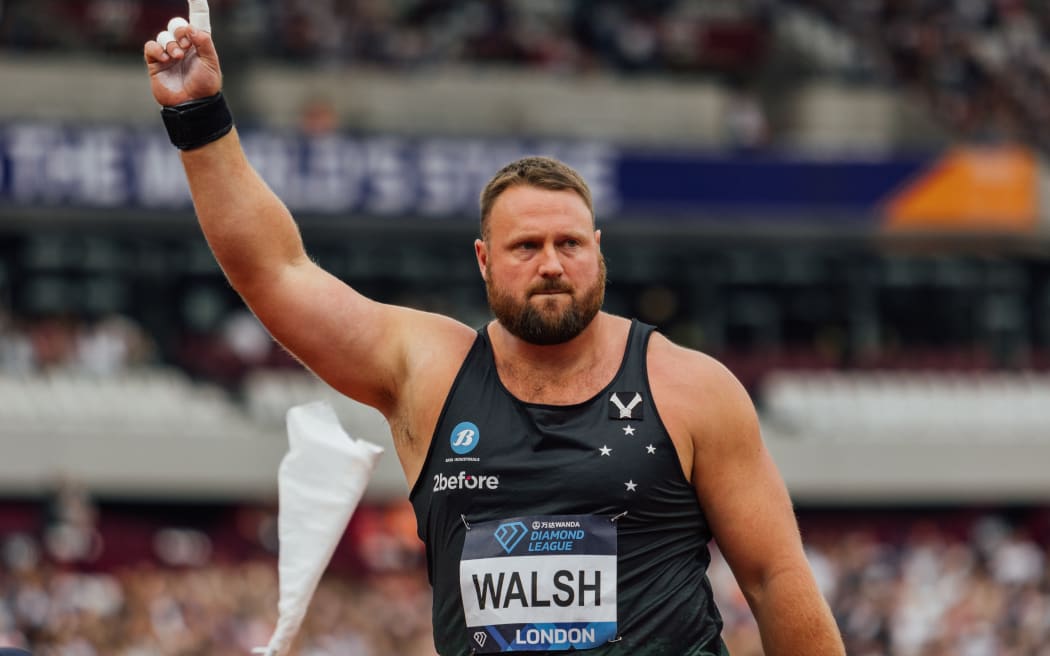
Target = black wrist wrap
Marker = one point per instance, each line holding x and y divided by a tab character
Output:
198	122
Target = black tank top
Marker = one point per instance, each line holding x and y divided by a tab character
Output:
531	481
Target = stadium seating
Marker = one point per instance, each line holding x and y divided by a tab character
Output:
147	403
909	406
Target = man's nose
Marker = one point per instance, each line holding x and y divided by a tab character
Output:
550	263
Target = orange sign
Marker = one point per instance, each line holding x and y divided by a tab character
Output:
971	188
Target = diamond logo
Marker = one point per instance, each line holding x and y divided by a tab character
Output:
509	535
480	637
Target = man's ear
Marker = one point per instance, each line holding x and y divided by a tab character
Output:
598	237
482	253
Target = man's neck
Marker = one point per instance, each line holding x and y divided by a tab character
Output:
560	373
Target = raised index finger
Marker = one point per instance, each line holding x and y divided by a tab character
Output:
199	16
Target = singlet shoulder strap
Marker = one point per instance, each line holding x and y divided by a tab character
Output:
480	352
637	346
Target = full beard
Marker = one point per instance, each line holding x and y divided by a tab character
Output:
543	326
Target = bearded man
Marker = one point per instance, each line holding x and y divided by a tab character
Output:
568	467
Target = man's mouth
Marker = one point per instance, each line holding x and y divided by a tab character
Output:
552	291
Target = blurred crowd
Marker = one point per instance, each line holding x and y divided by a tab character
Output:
576	35
103	346
982	64
927	585
113	344
667	36
221	610
139	586
902	583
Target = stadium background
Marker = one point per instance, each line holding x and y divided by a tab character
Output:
844	201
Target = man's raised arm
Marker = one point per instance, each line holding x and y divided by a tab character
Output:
357	345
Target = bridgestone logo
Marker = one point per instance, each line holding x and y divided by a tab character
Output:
463	481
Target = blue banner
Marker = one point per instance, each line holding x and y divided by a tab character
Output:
770	186
55	165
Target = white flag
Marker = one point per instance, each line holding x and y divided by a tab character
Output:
320	482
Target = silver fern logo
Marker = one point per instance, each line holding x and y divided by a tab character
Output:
625	411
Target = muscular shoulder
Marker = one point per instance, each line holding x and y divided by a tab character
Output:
436	337
698	395
438	346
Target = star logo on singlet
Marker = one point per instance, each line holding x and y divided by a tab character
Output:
605	450
628	430
631	485
650	449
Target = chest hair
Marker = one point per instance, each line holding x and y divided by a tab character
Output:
556	387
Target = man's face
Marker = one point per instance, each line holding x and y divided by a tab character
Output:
543	270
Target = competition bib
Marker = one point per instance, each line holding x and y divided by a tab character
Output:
539	583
